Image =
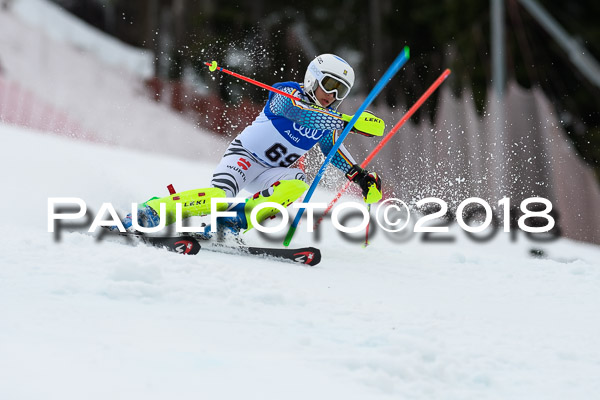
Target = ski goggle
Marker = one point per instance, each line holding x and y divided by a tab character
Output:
330	84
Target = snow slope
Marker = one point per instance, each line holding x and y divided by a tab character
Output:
51	60
410	320
63	27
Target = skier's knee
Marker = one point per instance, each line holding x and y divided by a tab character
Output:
295	174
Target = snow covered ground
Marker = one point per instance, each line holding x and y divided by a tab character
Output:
51	60
61	26
410	320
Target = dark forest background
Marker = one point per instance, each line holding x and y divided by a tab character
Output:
273	41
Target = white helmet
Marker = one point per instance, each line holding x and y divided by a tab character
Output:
333	74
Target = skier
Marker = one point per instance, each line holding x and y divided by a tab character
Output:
259	158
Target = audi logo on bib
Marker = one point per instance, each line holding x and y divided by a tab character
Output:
308	133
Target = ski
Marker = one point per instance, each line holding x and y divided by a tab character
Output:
190	245
177	244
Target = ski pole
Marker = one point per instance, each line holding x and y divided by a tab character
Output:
388	137
387	76
213	66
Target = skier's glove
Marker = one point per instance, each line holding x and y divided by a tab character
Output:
368	124
369	182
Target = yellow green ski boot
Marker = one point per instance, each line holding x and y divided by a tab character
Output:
194	203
